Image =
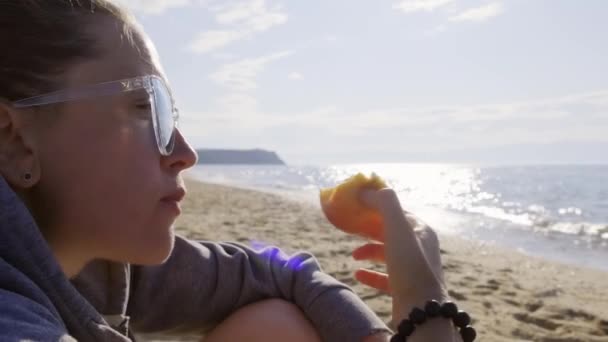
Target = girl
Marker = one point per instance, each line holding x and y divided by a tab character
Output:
90	165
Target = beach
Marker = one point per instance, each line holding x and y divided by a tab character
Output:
511	296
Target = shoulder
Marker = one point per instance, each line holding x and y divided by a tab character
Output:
24	319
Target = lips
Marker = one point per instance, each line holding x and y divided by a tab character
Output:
176	196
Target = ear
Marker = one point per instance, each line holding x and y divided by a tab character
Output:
17	152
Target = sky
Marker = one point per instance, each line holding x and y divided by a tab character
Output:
354	81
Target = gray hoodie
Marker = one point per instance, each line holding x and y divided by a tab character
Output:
199	286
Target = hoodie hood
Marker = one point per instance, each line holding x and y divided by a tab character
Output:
28	268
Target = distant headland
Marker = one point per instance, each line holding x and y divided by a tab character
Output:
247	157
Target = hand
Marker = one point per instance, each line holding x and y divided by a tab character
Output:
411	252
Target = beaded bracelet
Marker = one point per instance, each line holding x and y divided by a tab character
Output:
433	309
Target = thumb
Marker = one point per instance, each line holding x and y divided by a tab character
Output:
402	249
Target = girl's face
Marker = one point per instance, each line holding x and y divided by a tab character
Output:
104	189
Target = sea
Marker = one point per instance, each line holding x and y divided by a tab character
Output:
557	212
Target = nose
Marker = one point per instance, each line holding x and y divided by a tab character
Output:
183	156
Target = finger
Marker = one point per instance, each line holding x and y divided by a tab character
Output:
415	221
412	219
397	223
430	242
400	238
373	234
377	280
371	251
369	198
403	252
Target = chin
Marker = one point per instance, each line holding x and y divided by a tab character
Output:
153	253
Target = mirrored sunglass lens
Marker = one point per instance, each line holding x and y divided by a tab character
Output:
164	109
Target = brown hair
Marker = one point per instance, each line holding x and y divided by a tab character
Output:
40	39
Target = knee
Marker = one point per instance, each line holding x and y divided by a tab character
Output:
267	320
273	313
274	308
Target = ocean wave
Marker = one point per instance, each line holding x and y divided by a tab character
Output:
597	231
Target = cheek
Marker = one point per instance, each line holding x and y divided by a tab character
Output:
99	157
105	180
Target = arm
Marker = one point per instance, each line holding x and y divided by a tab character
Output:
415	272
432	330
203	282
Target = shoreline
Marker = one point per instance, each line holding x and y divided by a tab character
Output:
509	295
553	249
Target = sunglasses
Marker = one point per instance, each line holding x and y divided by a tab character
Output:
164	113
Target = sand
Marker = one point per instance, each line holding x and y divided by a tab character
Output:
511	296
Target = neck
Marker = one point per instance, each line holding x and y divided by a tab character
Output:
69	265
70	261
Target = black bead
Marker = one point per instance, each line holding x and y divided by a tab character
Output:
406	328
468	334
418	316
398	338
432	308
462	319
449	310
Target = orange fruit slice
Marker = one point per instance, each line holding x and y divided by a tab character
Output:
343	209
